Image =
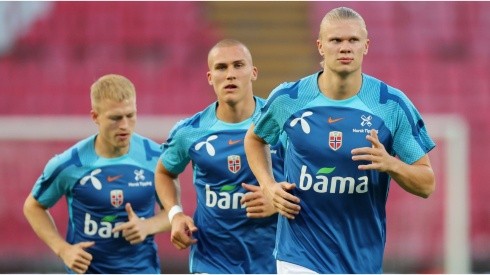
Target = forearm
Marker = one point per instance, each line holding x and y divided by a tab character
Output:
158	223
43	225
417	178
167	187
259	158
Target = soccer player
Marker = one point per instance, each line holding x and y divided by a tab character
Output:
108	182
234	225
348	133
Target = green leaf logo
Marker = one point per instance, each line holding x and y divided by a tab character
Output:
110	218
228	188
325	170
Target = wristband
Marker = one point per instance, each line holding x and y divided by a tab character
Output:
176	209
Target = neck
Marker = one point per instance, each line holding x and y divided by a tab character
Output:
235	112
338	87
107	151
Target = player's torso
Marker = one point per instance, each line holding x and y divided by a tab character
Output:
226	236
99	196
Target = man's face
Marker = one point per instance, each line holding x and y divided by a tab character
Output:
231	73
116	122
343	44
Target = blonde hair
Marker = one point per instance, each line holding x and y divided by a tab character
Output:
341	13
111	86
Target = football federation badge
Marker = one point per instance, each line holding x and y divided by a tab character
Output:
234	163
117	197
335	140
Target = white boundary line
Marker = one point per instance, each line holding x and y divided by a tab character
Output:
455	132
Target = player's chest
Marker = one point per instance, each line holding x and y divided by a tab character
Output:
220	150
112	187
333	132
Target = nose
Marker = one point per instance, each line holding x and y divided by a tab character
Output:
230	74
123	123
345	47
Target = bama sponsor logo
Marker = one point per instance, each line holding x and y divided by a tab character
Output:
224	199
102	229
320	183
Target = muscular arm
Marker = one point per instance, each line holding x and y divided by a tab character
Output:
74	256
168	190
259	160
43	225
158	223
167	186
417	178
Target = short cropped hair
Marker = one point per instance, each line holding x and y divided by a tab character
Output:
111	86
341	13
228	42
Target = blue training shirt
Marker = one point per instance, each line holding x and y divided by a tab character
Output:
341	227
228	241
96	190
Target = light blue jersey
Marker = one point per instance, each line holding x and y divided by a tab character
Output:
97	190
228	241
341	227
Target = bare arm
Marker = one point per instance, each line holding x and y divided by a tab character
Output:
258	157
74	256
417	178
167	186
168	190
135	230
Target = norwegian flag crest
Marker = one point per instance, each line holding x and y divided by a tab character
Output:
117	197
335	140
234	163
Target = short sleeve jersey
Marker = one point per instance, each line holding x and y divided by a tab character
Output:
96	190
228	241
341	226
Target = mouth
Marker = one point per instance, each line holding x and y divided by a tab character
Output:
231	87
345	60
123	136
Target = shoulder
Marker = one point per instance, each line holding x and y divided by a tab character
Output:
198	120
384	91
72	154
292	90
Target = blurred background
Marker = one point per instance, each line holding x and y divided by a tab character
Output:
436	52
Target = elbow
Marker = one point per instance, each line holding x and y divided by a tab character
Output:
428	190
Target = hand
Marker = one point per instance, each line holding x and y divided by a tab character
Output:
256	203
134	230
76	258
284	202
376	154
182	229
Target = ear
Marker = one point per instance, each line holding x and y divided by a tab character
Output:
94	116
255	73
210	80
366	47
320	47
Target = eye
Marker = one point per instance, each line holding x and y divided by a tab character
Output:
220	67
115	118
